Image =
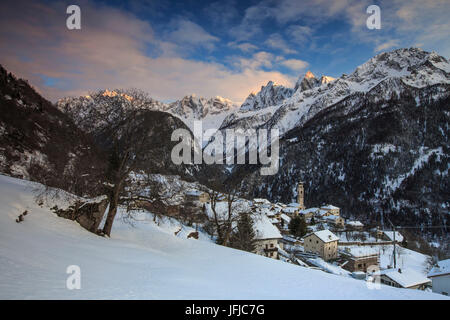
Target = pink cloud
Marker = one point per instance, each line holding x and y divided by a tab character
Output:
110	52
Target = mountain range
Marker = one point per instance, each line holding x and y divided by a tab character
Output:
374	142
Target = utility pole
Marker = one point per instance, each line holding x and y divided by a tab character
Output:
393	229
395	256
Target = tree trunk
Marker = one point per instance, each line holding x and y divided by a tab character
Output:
113	203
227	236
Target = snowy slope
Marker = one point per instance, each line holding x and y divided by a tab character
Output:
405	259
147	262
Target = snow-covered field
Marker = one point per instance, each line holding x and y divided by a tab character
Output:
405	259
147	261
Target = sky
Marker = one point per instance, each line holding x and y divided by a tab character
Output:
226	48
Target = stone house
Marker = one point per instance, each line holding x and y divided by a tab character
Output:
354	225
323	242
330	210
359	258
308	213
336	221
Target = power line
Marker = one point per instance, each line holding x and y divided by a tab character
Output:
424	227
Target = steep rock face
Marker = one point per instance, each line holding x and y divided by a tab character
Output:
270	95
40	143
309	81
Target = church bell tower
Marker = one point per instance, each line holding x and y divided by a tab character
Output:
301	196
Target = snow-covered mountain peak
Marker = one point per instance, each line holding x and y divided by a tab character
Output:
210	111
390	72
309	81
198	107
408	63
107	105
271	94
326	79
309	75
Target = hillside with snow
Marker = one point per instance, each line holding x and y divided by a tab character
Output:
144	259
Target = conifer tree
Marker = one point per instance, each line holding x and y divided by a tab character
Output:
297	226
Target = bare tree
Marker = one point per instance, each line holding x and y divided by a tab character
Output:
224	222
131	147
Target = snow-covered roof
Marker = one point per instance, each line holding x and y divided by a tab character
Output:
260	200
406	278
289	239
267	211
390	235
293	204
322	212
289	210
442	268
276	209
285	218
283	252
360	252
309	210
274	220
332	217
354	223
193	193
329	207
325	235
264	229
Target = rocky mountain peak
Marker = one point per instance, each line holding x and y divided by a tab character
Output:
309	75
271	94
307	82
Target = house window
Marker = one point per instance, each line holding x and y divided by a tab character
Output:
271	245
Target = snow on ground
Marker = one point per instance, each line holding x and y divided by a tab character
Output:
405	259
329	267
145	262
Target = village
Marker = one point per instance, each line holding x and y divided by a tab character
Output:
321	238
